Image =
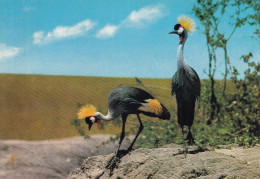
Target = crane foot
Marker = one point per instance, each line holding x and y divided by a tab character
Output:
113	163
116	159
190	139
128	151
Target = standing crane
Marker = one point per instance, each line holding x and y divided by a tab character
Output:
124	101
185	82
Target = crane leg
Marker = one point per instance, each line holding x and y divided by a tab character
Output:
190	137
122	136
112	163
192	141
139	131
185	150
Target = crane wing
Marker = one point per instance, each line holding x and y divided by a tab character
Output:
175	83
132	101
196	83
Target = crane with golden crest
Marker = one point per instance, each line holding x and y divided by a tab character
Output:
124	101
185	82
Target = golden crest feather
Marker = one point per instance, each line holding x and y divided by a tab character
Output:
186	22
86	111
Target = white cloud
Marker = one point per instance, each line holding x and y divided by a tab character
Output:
62	32
8	52
27	9
107	31
140	18
145	15
38	37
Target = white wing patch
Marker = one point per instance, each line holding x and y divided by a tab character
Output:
144	106
174	102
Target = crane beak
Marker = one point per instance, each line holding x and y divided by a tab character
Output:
173	32
89	126
88	122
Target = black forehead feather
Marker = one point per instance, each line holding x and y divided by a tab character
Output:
88	121
177	26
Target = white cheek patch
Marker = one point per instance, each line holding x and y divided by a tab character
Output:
92	119
180	31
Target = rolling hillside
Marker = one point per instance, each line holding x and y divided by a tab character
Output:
37	107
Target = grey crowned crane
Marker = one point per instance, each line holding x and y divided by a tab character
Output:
124	101
185	82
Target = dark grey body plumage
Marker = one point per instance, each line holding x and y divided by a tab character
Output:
186	88
130	100
127	100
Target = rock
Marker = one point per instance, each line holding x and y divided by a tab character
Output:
168	162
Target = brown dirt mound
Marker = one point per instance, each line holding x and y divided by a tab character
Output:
167	162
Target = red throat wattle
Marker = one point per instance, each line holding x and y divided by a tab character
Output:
180	38
98	122
180	35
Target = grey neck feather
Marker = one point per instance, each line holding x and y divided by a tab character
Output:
181	62
101	116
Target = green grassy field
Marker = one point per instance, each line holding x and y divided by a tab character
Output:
37	107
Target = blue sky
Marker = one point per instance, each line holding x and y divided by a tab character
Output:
105	38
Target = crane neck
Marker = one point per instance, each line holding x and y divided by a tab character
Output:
181	62
101	116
